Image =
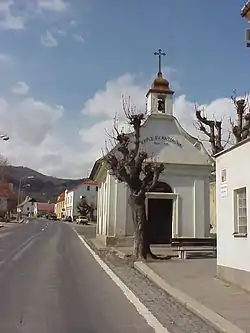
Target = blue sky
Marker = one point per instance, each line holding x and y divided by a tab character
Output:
94	42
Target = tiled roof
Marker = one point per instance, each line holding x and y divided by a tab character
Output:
88	182
45	207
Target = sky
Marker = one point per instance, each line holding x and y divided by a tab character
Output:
65	65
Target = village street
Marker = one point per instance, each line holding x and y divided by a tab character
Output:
49	282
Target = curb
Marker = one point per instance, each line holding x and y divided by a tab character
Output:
119	253
211	317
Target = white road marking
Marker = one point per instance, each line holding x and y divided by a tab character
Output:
140	307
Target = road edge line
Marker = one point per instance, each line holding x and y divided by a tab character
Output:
151	320
209	316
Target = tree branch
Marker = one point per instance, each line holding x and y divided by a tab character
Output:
212	129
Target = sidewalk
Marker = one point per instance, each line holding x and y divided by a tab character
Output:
193	283
197	282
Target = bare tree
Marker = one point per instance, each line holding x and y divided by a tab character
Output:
85	209
241	127
212	129
130	165
4	164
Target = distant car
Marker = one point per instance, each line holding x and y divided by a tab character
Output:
82	220
52	217
68	219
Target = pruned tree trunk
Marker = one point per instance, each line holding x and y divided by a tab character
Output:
130	165
141	237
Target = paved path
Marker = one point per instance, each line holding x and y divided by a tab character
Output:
49	283
197	279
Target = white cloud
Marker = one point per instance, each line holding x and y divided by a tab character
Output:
8	19
107	102
20	88
5	59
16	14
73	23
78	38
28	121
48	40
61	32
53	5
30	124
35	140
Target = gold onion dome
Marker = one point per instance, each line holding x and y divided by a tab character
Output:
160	83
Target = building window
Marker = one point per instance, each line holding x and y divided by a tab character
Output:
88	188
240	212
96	188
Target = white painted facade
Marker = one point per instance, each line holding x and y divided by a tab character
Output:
28	206
69	197
187	170
232	179
87	189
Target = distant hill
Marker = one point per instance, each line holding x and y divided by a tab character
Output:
42	187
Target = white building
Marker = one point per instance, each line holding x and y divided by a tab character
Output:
233	214
87	189
180	205
28	207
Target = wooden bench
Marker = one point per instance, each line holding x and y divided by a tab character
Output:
198	245
184	251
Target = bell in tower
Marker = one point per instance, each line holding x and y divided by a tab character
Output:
161	104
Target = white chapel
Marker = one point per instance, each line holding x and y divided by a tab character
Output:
179	206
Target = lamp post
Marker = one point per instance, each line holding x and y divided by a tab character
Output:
4	137
19	190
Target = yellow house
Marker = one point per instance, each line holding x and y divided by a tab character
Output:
213	206
59	206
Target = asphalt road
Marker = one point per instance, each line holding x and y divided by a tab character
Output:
49	283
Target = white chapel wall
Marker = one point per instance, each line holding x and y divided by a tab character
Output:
193	205
111	217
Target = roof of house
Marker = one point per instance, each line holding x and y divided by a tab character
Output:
232	147
6	191
87	182
26	200
95	167
61	197
45	207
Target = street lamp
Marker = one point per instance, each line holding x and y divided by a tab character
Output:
19	188
4	137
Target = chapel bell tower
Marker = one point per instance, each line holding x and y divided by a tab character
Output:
160	96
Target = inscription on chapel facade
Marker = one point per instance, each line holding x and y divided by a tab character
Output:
158	139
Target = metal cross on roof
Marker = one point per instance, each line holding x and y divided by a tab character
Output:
160	54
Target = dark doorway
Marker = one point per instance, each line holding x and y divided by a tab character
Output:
160	216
